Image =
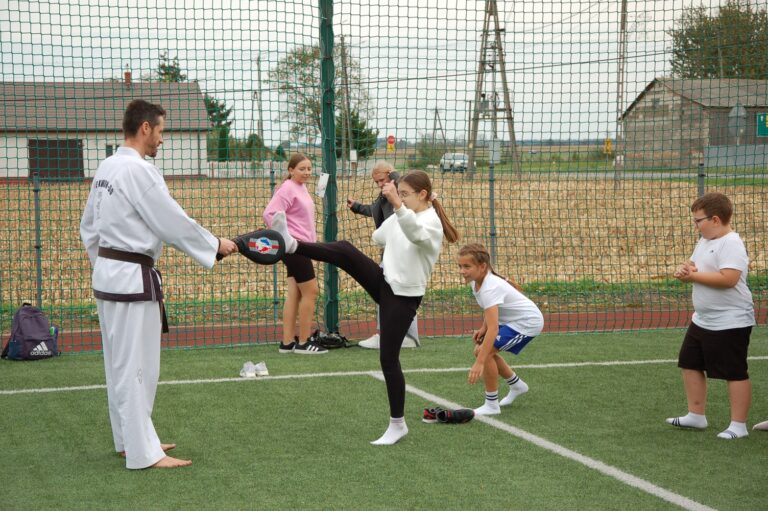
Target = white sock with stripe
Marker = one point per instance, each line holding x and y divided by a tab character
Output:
517	387
735	430
491	405
692	420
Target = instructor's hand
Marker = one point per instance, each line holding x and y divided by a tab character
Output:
226	247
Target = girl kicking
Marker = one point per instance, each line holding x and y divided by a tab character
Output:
412	238
510	321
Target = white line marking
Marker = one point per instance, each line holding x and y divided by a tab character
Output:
599	466
44	390
594	464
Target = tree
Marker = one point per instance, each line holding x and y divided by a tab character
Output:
169	71
218	113
363	138
427	153
730	44
297	77
280	153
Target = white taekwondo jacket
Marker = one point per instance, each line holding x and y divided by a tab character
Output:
130	209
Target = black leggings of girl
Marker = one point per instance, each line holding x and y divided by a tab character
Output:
397	312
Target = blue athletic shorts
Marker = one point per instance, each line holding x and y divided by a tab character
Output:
510	340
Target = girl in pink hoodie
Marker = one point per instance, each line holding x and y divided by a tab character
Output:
293	197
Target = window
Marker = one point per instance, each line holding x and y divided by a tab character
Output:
111	148
56	158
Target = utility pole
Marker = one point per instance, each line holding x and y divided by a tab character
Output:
346	108
435	122
261	117
620	86
493	65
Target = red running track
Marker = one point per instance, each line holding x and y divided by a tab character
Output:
228	335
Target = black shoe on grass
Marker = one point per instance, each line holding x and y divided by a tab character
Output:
309	348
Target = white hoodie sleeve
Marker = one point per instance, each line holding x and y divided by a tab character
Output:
418	233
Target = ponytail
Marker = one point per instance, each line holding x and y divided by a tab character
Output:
451	234
419	180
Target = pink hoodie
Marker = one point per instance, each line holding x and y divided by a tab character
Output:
294	199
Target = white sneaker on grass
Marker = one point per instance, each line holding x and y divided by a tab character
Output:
372	343
410	342
251	370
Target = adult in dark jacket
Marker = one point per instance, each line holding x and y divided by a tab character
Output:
380	209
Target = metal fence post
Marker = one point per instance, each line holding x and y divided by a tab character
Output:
38	241
327	73
701	177
275	296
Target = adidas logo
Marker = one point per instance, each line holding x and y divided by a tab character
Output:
41	350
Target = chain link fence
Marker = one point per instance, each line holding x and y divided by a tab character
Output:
568	137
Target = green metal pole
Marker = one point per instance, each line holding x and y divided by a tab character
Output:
38	242
327	73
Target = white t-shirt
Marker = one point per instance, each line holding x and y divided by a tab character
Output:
717	308
515	309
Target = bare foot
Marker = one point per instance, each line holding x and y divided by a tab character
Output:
169	462
164	447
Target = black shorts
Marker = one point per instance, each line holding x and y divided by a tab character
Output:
299	267
722	354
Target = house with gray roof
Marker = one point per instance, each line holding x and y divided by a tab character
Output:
63	130
675	123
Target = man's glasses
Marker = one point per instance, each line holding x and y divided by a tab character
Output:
697	221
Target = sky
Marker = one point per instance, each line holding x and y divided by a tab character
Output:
419	58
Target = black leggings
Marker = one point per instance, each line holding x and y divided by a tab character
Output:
396	312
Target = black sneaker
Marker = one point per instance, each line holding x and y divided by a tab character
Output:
309	348
287	348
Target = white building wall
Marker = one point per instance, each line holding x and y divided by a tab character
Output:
14	157
182	153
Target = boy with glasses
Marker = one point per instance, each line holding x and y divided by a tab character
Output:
717	339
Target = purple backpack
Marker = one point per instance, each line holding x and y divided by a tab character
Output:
32	336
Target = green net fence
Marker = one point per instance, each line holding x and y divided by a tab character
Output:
568	137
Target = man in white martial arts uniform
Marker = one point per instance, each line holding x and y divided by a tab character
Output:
128	217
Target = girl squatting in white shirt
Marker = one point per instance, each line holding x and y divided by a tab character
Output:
510	322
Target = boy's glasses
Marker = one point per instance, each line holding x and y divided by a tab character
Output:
697	221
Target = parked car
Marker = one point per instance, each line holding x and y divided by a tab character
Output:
454	162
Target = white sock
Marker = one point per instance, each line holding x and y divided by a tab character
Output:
735	430
489	408
517	387
280	224
692	420
396	430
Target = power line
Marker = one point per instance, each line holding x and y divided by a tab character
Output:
636	56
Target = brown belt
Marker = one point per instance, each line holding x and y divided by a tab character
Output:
128	257
143	260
